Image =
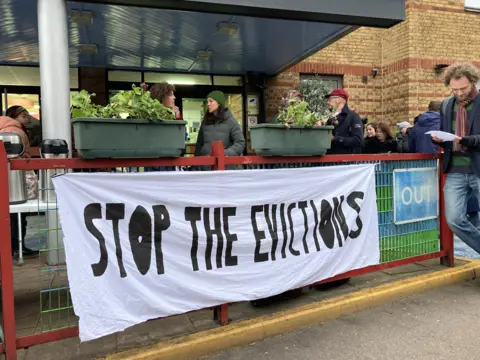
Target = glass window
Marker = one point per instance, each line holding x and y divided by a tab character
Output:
125	76
73	78
178	79
330	82
29	76
227	81
193	111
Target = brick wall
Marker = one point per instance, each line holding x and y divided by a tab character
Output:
354	57
435	32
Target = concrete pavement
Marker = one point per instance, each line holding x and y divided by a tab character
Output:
438	324
299	316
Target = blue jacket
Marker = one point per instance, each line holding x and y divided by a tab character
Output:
418	142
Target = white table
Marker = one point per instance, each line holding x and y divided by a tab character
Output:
31	206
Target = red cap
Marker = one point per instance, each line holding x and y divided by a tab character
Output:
338	92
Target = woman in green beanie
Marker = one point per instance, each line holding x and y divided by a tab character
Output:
219	125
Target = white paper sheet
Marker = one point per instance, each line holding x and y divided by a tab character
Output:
445	136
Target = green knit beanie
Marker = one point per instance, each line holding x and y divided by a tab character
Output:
218	96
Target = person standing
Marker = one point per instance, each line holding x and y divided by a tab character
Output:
348	126
383	142
371	130
165	94
418	140
219	125
30	126
10	125
404	129
460	115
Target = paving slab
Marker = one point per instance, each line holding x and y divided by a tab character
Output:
173	327
440	324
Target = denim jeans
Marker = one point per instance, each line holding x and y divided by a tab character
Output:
458	190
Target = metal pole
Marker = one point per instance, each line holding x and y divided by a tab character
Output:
6	265
446	235
6	101
54	70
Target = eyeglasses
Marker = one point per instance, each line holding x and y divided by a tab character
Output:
461	90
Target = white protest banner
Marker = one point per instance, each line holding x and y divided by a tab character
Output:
148	245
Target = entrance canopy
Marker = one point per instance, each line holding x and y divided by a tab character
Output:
216	36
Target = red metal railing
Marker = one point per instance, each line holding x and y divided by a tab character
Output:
217	161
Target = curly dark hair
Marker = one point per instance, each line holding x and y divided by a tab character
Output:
457	71
384	128
159	91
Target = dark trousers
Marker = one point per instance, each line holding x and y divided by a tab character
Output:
14	233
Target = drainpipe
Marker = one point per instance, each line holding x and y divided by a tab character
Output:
54	70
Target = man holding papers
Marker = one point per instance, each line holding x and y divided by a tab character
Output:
460	116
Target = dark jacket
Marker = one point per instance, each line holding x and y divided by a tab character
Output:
225	130
347	134
418	142
471	141
373	146
402	141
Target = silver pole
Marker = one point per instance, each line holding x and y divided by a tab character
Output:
54	70
5	96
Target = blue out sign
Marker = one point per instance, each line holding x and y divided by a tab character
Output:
415	196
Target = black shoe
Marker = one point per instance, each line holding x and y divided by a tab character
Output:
26	253
29	252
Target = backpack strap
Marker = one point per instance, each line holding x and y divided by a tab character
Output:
445	104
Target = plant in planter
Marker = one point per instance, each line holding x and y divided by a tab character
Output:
131	125
81	105
314	89
297	133
297	113
137	104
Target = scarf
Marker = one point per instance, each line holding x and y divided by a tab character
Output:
462	120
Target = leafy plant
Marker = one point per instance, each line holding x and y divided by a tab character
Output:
81	105
133	104
297	113
314	90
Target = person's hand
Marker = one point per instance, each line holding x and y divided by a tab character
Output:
457	139
404	129
177	111
437	139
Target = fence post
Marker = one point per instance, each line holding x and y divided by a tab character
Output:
219	153
220	313
446	235
6	264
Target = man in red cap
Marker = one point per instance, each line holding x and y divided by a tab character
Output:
348	132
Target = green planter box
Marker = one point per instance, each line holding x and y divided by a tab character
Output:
278	140
128	138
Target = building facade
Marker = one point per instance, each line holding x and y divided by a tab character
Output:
392	74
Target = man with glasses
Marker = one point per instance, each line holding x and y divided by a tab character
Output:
348	132
460	115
